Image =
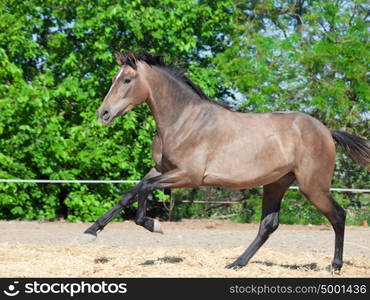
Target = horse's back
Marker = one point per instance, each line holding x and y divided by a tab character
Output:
303	136
286	125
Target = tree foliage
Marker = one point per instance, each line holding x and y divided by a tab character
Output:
56	65
310	56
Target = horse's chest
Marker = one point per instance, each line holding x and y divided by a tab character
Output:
162	157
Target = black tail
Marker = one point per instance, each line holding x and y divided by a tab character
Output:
355	147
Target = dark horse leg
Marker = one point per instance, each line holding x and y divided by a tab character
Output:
131	196
336	216
175	178
141	218
151	182
272	195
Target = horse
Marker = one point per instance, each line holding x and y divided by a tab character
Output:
202	143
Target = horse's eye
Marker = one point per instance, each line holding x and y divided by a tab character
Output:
127	81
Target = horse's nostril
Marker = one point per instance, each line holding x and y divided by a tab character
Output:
105	115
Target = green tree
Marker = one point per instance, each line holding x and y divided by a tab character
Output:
56	66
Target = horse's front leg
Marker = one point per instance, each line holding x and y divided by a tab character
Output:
141	219
130	197
172	179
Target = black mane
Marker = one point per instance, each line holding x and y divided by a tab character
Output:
157	60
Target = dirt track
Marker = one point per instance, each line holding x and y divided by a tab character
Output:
196	248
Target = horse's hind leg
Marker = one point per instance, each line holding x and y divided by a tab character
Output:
272	195
336	216
315	163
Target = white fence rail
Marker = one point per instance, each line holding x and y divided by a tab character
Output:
66	181
136	181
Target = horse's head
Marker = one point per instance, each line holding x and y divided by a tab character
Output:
128	89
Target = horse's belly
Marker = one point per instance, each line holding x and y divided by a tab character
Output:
249	170
243	180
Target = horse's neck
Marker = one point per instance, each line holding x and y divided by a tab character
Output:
169	101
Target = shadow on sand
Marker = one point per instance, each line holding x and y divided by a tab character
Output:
166	260
308	267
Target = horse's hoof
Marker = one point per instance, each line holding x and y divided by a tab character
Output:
86	238
235	266
333	270
157	226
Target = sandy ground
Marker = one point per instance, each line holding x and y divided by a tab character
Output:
193	248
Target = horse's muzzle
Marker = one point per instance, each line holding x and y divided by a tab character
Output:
104	116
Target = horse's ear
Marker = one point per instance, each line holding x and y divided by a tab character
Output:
130	59
120	58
